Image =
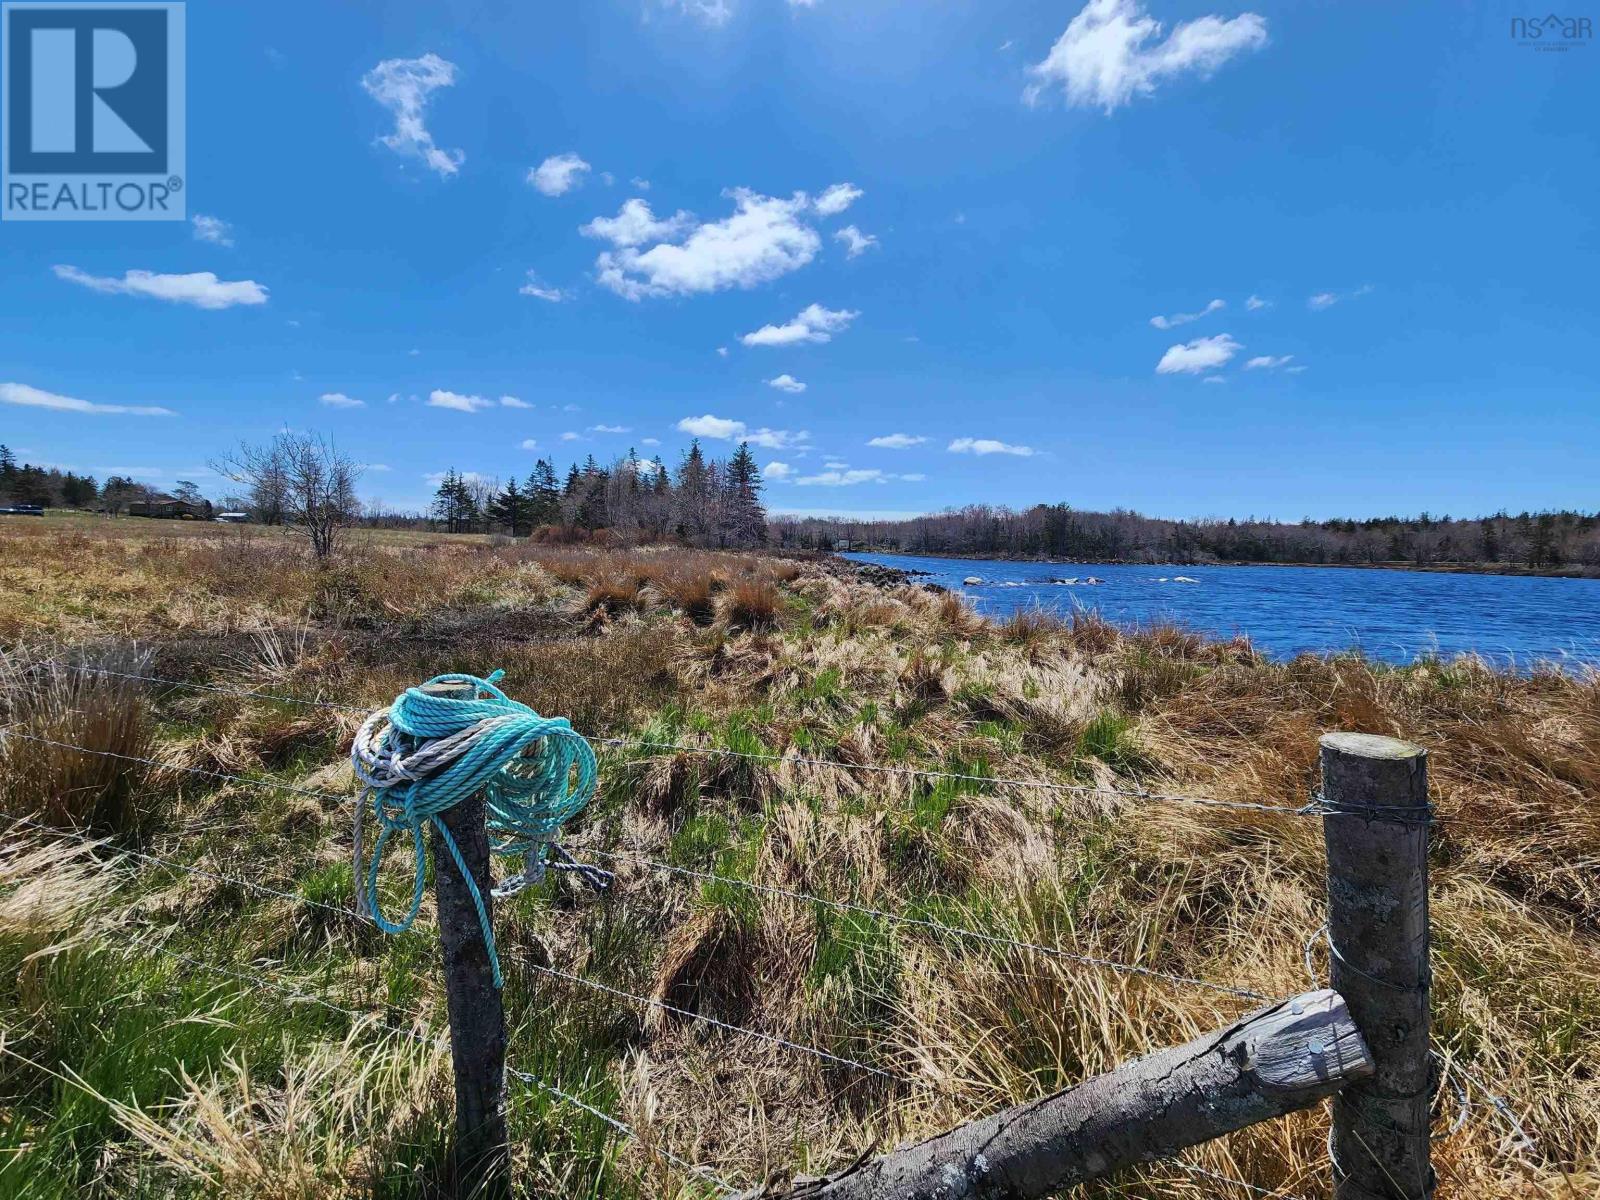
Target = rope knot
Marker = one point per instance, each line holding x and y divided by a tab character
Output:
428	751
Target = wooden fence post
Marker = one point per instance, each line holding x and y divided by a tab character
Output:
1278	1059
481	1160
1375	793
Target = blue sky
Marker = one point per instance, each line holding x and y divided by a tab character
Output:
954	224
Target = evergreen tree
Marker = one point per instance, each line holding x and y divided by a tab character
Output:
744	518
691	518
511	509
544	494
453	504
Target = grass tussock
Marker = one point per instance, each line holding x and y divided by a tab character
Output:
123	1071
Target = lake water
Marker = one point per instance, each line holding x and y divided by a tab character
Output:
1391	615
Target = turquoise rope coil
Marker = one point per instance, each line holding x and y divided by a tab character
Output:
426	753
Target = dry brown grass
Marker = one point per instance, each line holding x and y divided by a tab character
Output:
864	677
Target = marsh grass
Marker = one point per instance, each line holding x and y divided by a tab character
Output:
123	1074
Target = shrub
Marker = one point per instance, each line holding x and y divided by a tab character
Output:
693	594
612	595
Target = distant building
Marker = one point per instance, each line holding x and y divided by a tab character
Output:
170	508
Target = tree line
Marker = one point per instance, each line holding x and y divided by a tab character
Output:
1543	540
702	502
53	487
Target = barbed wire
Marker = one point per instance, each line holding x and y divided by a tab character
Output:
1313	808
936	926
1086	960
254	980
596	985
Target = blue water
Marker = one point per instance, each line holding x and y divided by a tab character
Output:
1390	615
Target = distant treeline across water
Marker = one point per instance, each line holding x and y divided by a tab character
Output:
1540	541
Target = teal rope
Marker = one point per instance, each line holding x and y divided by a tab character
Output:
535	772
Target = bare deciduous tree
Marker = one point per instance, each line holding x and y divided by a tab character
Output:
301	480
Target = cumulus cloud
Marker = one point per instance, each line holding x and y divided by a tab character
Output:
558	174
1256	302
1202	354
855	242
837	198
404	86
212	229
201	289
540	291
813	324
529	444
786	383
986	446
31	397
896	441
340	400
1108	55
776	472
764	238
635	224
1267	362
514	402
569	436
610	429
723	429
1185	318
439	398
715	13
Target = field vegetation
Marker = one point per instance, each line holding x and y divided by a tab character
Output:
146	1049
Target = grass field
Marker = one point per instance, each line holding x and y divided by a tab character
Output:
145	1049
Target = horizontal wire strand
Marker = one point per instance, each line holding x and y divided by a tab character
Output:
524	1076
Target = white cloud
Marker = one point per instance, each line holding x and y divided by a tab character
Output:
611	429
896	441
776	472
212	229
455	400
1106	56
569	436
985	446
642	184
764	238
1202	354
437	477
558	174
813	324
1185	318
651	442
836	199
1215	379
914	477
723	429
1256	302
835	464
375	467
533	287
403	86
786	383
635	224
715	13
855	241
513	402
31	397
1267	362
802	3
1322	300
201	289
838	478
529	444
340	400
722	352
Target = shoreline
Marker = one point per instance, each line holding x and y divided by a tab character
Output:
1508	569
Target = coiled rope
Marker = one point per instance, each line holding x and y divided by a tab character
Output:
428	751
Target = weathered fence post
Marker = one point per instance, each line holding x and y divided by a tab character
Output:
1375	795
481	1161
1278	1059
